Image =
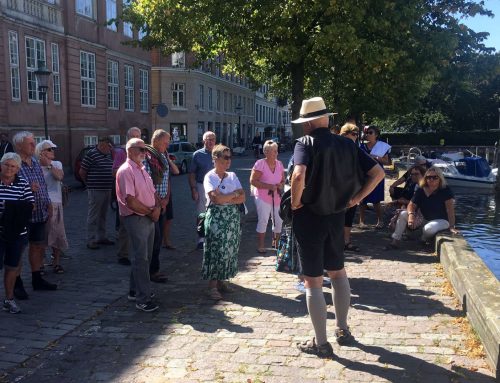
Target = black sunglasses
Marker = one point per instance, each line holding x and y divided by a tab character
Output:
142	150
431	178
227	158
49	149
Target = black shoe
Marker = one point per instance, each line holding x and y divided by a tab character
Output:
42	284
310	347
124	261
344	337
147	307
19	291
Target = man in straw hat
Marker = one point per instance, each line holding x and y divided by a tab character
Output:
331	174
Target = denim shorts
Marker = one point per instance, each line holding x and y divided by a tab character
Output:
11	252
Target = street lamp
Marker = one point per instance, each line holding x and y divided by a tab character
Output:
238	110
42	79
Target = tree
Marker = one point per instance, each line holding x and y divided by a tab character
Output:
377	56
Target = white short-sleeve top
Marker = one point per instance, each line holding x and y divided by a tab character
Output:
212	181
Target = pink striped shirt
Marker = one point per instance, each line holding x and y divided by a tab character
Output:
133	180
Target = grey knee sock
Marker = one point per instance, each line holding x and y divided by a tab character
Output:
316	306
341	294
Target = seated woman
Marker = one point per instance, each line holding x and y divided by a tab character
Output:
396	192
435	201
416	174
222	223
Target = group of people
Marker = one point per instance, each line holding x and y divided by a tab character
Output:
31	215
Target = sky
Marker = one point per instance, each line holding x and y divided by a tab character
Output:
488	24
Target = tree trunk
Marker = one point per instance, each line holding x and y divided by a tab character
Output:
297	74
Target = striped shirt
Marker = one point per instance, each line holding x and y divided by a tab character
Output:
19	190
32	174
99	168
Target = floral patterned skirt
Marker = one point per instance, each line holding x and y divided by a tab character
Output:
222	242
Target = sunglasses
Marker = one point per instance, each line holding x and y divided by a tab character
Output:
227	158
431	178
49	149
142	150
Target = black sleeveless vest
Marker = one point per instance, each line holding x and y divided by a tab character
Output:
333	174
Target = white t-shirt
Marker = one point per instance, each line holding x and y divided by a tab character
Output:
53	185
228	185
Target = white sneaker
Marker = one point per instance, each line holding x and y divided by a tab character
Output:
11	306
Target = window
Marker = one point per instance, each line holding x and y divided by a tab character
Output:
35	57
217	101
142	33
225	102
230	103
15	85
178	95
144	90
56	76
129	87
210	99
39	139
87	78
178	60
113	85
111	14
115	138
201	130
127	27
201	100
85	8
89	140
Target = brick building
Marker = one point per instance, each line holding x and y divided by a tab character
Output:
98	85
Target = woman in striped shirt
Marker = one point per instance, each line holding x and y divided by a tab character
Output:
16	204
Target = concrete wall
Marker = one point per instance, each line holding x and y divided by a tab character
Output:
478	290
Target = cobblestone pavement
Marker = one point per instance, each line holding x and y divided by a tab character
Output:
87	331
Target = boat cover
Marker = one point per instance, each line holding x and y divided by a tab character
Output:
473	166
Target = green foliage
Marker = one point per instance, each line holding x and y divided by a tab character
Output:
469	138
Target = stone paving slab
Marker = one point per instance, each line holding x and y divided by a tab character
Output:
87	331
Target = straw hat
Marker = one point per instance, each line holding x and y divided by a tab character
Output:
312	109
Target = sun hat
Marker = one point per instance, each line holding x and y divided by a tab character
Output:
312	109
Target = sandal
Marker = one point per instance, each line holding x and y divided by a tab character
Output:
214	294
58	269
224	287
261	250
350	247
310	347
158	278
379	226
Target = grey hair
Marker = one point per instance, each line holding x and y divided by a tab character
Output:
133	142
159	134
12	156
268	145
207	134
129	132
20	136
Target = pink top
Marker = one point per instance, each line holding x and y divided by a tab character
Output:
133	180
268	177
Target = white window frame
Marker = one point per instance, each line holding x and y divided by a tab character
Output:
210	99
112	75
39	139
217	101
201	98
87	79
128	85
144	90
178	95
111	14
115	139
127	27
56	73
15	77
89	140
85	8
32	65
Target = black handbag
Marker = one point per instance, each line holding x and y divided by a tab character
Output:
286	207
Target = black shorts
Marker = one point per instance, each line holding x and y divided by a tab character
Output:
320	241
169	210
11	252
37	233
349	216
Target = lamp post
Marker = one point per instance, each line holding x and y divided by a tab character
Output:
238	110
42	79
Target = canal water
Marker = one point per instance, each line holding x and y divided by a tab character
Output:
478	219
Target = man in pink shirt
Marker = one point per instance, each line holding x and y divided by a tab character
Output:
139	208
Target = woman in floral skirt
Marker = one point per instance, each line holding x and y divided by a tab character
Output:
222	223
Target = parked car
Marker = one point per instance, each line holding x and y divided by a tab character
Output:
181	153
